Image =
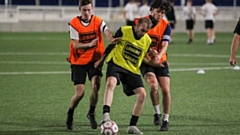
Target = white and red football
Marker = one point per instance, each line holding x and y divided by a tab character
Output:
109	128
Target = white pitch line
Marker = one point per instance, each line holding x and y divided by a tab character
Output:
200	64
199	55
204	68
68	72
34	62
67	53
35	73
34	53
65	62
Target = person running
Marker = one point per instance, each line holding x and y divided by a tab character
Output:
86	47
123	63
154	74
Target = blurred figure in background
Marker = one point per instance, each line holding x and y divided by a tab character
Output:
130	12
144	10
209	11
171	18
37	2
189	14
234	45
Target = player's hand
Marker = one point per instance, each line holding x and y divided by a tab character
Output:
116	40
155	63
93	42
153	53
233	62
98	64
165	63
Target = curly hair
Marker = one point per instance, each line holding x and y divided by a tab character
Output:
160	4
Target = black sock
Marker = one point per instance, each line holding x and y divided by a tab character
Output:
106	109
70	111
134	120
190	40
92	109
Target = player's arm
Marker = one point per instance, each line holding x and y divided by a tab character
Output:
108	49
108	33
165	41
75	40
216	12
149	61
99	63
201	11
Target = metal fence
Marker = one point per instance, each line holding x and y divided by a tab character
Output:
65	13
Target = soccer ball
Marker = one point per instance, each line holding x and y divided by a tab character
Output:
109	128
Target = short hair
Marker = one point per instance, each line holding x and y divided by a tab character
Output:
145	20
161	4
84	2
145	1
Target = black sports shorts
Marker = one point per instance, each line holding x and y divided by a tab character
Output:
129	80
209	24
189	24
237	28
158	71
79	73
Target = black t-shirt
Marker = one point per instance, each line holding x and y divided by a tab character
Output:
237	28
120	34
171	15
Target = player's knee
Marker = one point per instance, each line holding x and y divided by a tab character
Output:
154	88
96	87
79	92
165	91
141	96
79	96
111	83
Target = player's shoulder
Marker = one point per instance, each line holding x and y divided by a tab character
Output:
163	22
95	17
75	20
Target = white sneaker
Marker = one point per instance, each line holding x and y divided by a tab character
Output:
105	117
134	130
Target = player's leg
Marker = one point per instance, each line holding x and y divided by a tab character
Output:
164	82
78	78
166	100
133	85
95	77
137	110
151	80
190	31
112	80
108	97
213	36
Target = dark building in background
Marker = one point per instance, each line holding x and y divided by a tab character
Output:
115	3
